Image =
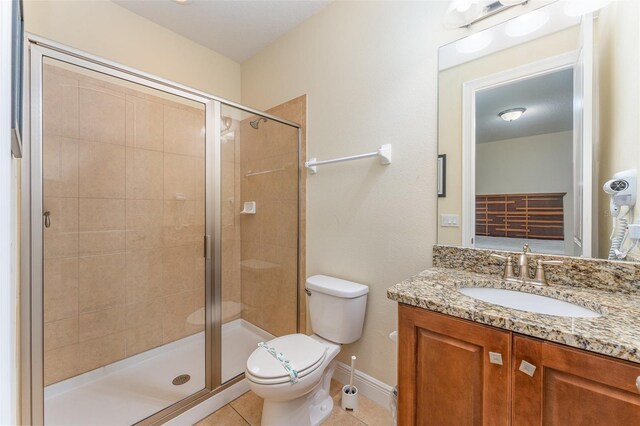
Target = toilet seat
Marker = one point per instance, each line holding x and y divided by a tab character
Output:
304	353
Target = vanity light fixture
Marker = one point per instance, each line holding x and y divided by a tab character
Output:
511	114
183	2
527	23
512	2
462	13
582	7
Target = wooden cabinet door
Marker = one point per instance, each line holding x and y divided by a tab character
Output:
572	387
445	376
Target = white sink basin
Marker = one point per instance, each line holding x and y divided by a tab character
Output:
528	302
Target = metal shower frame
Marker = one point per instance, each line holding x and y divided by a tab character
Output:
32	243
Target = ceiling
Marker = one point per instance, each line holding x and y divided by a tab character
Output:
237	29
547	98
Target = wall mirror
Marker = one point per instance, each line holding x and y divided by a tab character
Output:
539	122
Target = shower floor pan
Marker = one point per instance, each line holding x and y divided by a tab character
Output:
130	390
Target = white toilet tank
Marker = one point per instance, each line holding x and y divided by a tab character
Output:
336	308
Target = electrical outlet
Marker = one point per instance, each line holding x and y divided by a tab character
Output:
449	220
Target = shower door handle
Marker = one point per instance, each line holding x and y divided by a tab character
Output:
47	219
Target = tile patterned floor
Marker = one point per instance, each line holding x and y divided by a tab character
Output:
247	411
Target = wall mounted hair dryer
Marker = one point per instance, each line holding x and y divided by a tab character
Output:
622	190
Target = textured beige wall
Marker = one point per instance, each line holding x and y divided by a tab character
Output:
369	70
105	29
124	182
618	55
450	105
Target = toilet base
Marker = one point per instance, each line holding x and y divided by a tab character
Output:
296	412
311	409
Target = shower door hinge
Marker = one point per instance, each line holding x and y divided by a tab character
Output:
207	247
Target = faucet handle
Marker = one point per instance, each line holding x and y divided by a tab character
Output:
508	266
499	256
526	249
541	277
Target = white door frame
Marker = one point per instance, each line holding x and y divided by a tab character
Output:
469	91
8	199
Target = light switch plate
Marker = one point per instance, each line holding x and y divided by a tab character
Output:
451	220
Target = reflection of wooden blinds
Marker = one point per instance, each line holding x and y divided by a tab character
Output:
539	216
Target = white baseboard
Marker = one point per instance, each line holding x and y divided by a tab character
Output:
372	388
216	402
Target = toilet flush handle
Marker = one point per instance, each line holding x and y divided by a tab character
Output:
307	291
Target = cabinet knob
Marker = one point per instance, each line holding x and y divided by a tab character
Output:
638	383
527	368
495	358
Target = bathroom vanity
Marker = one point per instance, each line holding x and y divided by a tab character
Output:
466	361
483	340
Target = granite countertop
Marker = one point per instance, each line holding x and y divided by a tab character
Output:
615	333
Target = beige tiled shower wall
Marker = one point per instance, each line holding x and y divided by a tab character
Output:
269	251
124	182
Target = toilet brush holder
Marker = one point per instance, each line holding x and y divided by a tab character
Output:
349	398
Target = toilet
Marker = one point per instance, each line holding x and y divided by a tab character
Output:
299	395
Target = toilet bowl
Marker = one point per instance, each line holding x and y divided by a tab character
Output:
293	378
306	402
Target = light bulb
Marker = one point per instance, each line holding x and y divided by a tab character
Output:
462	12
463	6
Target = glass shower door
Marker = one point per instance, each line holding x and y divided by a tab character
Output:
259	232
124	272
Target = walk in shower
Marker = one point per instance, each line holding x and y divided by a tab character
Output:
162	237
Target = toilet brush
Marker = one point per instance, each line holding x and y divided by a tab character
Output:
350	392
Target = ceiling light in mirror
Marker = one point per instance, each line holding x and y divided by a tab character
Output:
511	114
474	43
183	2
582	7
527	24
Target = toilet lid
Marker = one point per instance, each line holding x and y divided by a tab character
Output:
304	353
